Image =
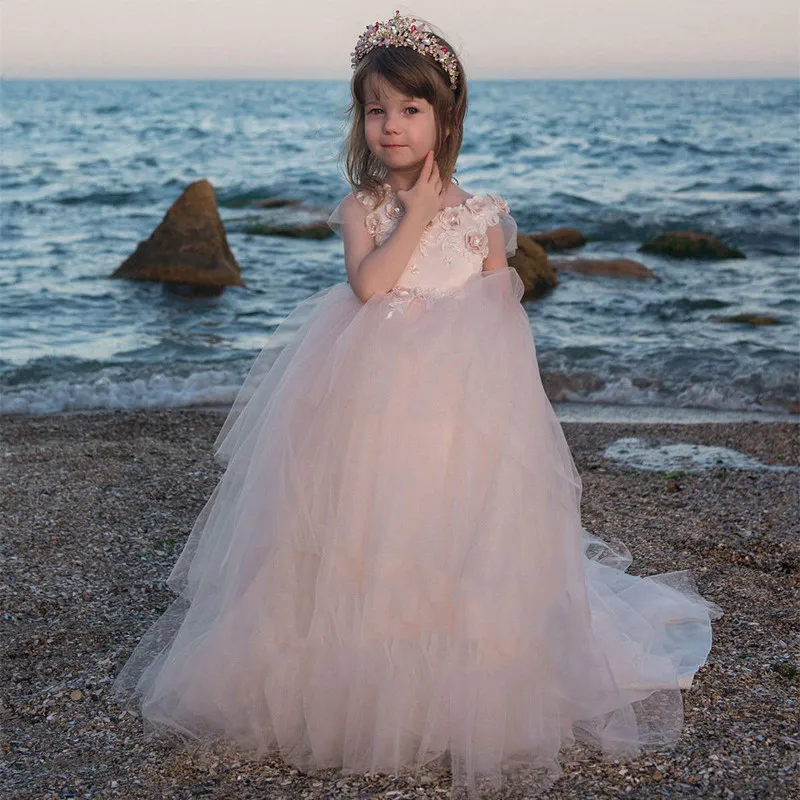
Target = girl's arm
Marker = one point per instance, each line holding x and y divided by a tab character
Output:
372	269
497	254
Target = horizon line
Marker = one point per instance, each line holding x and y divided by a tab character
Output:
346	80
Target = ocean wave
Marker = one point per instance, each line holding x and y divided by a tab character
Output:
218	387
101	198
209	387
631	391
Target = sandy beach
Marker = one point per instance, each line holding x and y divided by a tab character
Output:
96	507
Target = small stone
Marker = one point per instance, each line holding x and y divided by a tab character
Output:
746	319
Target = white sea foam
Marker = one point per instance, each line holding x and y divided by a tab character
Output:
205	388
684	457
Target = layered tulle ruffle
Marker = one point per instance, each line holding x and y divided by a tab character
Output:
392	568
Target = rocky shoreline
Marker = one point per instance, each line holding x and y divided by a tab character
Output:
96	506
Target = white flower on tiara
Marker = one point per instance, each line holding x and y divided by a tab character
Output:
406	32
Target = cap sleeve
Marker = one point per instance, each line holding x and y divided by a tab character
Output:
350	211
508	224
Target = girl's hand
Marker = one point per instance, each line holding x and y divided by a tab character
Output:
424	198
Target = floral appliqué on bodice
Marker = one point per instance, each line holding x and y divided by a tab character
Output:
451	250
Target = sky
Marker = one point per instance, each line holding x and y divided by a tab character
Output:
313	39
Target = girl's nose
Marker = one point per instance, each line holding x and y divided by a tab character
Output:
391	123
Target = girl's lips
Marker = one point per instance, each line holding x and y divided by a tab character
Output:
394	145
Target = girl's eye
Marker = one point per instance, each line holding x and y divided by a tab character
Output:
408	108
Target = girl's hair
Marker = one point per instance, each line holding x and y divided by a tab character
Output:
416	75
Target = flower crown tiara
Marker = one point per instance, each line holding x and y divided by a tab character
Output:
406	32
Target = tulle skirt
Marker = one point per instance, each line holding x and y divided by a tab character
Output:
392	569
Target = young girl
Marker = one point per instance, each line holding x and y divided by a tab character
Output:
392	569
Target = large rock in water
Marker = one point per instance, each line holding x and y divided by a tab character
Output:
311	230
189	247
688	244
559	239
608	267
530	262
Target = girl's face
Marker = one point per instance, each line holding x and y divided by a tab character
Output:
399	130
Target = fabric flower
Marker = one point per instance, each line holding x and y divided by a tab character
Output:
476	242
449	218
365	199
394	210
499	203
479	203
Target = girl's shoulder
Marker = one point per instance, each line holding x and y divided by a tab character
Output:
477	203
461	196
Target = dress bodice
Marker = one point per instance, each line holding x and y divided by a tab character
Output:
453	245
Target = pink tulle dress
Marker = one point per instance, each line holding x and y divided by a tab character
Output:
392	569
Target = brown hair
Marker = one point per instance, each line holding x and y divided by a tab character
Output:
417	75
